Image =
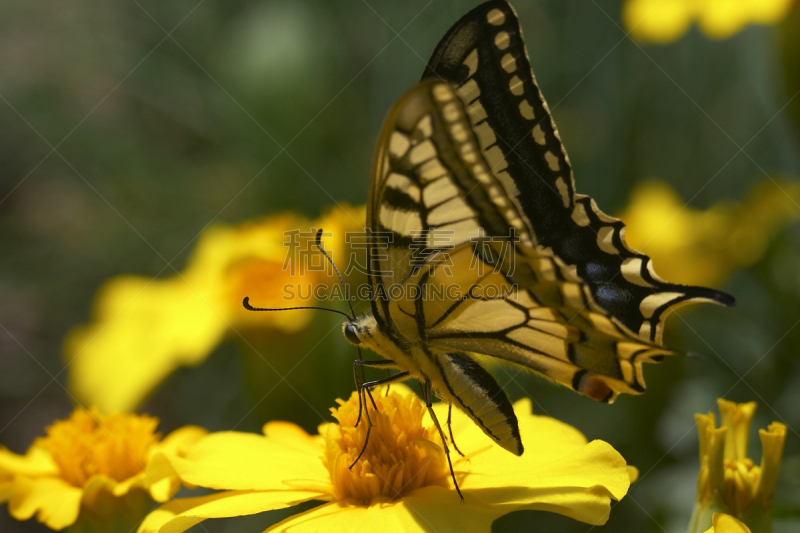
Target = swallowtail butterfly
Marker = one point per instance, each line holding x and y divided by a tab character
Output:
470	171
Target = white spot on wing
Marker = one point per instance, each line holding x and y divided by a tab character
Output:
422	152
425	127
501	40
398	144
442	93
561	185
469	91
486	136
526	110
649	305
552	161
472	62
538	135
431	170
579	215
605	242
632	271
508	63
476	112
495	17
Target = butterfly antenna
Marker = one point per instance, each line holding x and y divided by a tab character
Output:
341	280
246	304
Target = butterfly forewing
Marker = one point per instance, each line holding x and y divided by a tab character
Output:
459	269
484	56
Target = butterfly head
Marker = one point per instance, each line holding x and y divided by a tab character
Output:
360	330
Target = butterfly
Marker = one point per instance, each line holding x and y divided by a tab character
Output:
480	246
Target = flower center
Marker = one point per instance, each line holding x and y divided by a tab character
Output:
88	443
401	454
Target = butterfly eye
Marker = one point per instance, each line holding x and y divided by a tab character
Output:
350	334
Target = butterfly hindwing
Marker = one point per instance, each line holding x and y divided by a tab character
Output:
484	56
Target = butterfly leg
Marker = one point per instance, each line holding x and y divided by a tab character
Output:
402	376
429	404
361	363
450	429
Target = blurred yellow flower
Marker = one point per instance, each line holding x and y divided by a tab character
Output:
723	523
402	480
703	247
663	21
92	466
729	482
143	328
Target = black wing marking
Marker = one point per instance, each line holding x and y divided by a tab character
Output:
484	56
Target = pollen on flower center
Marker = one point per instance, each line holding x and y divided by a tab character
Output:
88	443
402	455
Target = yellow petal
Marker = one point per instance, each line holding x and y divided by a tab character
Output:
633	473
36	462
180	515
559	471
293	436
179	439
542	436
143	330
723	523
55	503
428	509
244	461
160	478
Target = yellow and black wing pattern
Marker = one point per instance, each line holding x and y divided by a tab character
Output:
456	269
484	57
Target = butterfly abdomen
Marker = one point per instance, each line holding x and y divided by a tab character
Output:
467	385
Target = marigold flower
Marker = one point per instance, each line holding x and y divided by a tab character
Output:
88	461
703	247
143	328
663	21
729	482
402	481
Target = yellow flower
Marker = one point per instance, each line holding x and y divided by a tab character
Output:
703	247
729	482
402	481
664	21
723	523
143	328
86	462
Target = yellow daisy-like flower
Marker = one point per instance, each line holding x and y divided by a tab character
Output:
663	21
723	523
703	247
402	481
93	466
729	482
145	328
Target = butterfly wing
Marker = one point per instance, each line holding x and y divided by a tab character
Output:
454	265
484	56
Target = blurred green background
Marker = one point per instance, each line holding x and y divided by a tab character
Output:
127	127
